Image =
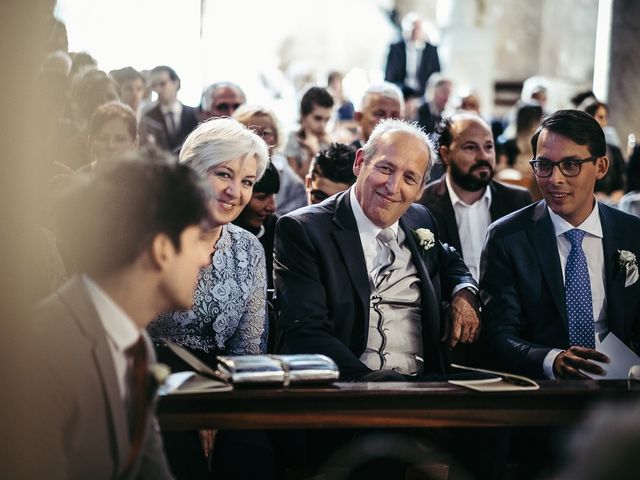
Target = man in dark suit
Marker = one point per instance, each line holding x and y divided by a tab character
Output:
466	199
360	277
559	275
169	122
412	59
135	233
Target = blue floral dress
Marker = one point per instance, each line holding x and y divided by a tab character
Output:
229	313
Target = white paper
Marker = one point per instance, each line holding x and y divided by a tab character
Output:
621	359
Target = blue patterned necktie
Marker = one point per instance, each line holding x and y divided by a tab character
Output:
577	289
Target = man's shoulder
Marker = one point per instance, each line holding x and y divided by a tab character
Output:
434	189
152	113
190	112
517	220
418	215
399	44
316	214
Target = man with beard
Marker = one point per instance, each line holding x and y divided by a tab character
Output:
466	200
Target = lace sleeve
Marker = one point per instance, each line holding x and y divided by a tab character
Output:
250	338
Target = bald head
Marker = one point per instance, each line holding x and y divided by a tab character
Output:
466	148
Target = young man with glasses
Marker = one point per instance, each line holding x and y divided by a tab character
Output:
559	275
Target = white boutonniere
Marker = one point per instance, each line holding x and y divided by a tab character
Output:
426	238
627	260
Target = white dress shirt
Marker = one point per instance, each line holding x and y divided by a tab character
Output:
175	110
413	52
122	333
472	221
592	246
375	252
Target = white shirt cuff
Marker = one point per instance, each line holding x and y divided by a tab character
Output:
547	364
460	286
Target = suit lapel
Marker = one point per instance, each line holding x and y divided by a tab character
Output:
349	245
543	238
77	299
429	300
497	207
614	281
447	215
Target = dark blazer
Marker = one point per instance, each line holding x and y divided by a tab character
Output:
504	200
522	288
154	123
396	69
323	288
83	427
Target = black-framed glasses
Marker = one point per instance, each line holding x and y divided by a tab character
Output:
570	167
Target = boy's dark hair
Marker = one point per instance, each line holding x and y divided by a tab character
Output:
577	126
315	96
109	220
165	68
591	107
334	163
269	182
442	135
127	74
110	111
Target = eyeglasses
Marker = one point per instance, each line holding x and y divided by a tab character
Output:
227	107
570	167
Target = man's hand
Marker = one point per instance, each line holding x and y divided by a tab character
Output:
567	364
463	320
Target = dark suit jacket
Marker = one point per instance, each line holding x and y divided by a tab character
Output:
323	289
154	123
396	69
83	427
504	200
522	288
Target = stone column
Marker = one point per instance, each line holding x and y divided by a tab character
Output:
623	94
467	49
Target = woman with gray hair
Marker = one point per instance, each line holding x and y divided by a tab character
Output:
229	314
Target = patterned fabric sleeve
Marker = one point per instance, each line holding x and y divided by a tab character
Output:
250	338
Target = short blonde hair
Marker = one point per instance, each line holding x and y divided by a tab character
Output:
220	140
245	113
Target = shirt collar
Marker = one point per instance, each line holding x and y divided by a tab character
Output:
362	221
591	224
175	108
486	198
116	323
